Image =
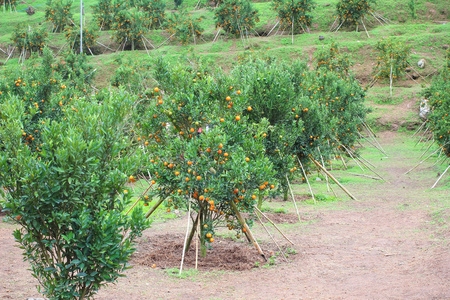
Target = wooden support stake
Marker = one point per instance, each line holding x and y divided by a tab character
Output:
440	177
419	128
332	178
274	225
307	181
363	175
293	198
152	210
279	248
196	245
247	229
185	237
422	161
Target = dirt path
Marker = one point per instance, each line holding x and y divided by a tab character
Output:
393	244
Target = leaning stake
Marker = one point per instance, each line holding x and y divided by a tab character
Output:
293	198
332	178
247	229
440	177
307	181
274	225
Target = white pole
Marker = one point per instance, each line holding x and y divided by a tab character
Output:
81	27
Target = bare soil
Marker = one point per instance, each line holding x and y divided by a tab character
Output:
392	244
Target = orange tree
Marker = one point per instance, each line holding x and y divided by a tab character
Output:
203	153
67	199
104	12
392	58
270	95
58	12
332	58
90	35
8	3
183	27
438	95
155	12
294	11
129	26
33	40
236	16
351	12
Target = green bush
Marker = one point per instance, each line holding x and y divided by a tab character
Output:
90	35
68	198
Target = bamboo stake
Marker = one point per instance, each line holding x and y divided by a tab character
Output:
185	237
307	181
217	34
365	28
152	210
137	200
264	226
292	29
390	80
104	46
334	179
148	42
373	136
363	175
421	138
440	177
377	19
274	225
349	153
326	177
196	245
343	161
375	146
191	235
293	198
145	46
332	25
422	161
247	229
419	128
165	41
273	28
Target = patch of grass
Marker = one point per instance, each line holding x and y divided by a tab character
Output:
186	273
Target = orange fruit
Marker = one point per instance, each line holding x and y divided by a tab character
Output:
208	235
156	89
187	179
238	92
211	240
222	119
253	197
237	118
199	177
247	159
249	108
18	217
228	98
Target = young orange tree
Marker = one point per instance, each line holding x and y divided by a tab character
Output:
205	154
296	13
352	12
183	27
33	40
104	12
90	35
58	12
237	17
129	26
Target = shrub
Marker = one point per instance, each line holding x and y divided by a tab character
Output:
33	40
183	27
296	11
236	16
438	95
58	12
68	198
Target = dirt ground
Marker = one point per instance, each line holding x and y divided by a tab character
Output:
388	245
